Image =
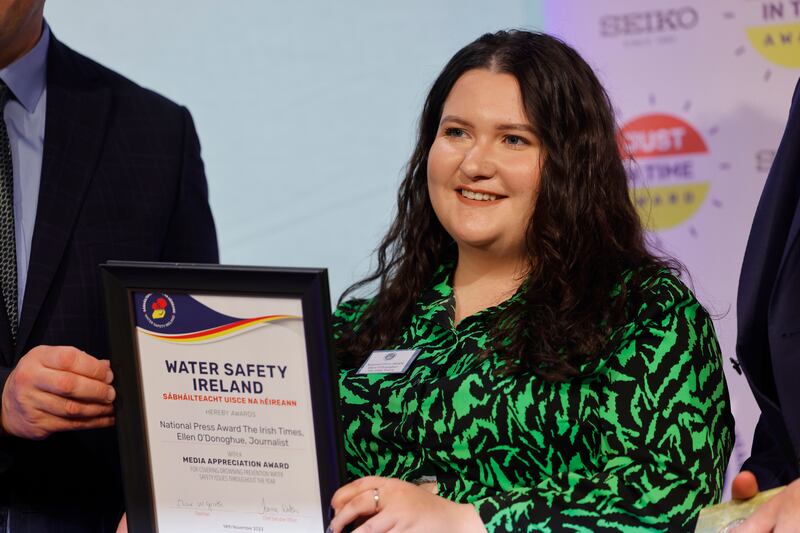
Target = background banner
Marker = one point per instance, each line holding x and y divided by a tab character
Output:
306	110
702	90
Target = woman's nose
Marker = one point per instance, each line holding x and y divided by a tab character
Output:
478	162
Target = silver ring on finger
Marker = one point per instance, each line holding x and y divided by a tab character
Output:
376	495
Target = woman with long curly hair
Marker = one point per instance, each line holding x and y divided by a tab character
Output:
554	373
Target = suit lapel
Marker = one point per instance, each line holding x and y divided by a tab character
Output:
787	162
75	120
784	334
791	241
784	329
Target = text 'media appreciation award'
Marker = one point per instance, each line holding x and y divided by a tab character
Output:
225	374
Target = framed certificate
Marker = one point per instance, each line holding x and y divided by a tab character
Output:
227	400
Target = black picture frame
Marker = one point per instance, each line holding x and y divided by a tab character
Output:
122	278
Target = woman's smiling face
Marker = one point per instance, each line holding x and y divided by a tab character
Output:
484	165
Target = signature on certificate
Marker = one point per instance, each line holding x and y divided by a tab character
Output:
279	508
201	505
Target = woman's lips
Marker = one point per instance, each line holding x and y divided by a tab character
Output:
478	197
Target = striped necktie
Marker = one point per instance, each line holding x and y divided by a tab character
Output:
8	248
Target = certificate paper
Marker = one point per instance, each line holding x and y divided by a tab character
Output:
228	412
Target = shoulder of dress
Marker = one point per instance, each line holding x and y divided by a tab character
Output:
660	289
658	299
351	310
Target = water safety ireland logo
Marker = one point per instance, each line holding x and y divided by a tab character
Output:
670	168
158	309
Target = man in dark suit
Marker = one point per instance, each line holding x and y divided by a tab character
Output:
768	344
92	168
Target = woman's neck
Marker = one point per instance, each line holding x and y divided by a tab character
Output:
483	279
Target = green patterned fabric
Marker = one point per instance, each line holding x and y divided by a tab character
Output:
640	443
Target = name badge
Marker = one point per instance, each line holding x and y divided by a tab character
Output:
388	361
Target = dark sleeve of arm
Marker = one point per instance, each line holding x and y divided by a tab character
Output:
6	459
664	442
191	236
4	372
767	461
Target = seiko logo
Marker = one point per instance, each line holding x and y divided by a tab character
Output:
646	22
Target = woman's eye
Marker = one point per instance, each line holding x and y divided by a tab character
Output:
454	132
516	140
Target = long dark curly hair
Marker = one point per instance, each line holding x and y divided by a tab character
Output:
585	243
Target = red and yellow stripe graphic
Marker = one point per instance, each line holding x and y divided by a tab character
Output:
218	332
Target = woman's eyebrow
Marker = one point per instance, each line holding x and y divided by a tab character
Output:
457	120
499	127
522	127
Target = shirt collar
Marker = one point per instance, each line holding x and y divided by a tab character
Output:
27	76
440	289
437	301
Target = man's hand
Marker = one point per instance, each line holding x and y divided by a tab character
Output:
57	388
744	486
781	514
122	527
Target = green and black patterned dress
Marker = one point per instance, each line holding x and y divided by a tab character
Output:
639	444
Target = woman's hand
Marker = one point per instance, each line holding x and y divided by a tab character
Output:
390	504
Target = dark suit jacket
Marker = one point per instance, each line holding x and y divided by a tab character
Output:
121	178
768	344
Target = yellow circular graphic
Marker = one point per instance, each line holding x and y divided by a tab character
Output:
665	207
778	43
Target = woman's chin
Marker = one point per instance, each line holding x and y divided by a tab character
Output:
484	244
